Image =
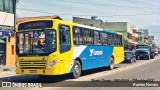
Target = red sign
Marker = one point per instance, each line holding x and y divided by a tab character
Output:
33	71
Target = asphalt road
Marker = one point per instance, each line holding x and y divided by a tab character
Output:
142	69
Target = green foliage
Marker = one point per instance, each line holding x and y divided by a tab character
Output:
139	39
127	44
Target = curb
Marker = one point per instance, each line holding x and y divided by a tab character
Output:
5	69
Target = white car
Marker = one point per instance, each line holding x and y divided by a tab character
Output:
156	52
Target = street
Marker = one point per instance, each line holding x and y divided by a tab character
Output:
142	69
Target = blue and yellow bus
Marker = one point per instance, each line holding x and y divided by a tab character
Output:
56	47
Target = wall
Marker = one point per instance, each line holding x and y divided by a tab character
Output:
116	26
89	22
121	27
10	59
6	19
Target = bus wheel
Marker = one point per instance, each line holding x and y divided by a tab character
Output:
76	69
152	56
111	65
148	57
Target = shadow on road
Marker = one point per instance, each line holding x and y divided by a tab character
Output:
48	79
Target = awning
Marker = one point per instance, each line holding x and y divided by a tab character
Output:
2	41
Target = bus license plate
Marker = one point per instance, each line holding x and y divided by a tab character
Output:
33	71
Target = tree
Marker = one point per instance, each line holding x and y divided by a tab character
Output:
127	44
139	39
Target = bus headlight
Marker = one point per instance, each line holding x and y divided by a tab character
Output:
52	63
17	64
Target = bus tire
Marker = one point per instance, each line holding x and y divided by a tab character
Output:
76	70
111	65
152	56
132	60
137	58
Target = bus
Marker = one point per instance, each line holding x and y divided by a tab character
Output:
55	47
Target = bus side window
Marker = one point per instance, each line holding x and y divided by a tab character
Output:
64	38
120	40
87	36
103	38
109	39
77	35
116	40
97	40
113	40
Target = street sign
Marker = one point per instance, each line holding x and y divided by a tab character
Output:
36	34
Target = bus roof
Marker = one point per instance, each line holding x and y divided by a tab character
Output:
72	23
99	29
91	27
109	31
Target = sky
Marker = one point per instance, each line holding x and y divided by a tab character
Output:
142	13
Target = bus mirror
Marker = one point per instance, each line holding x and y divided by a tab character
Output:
9	37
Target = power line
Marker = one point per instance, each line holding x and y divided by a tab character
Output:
105	4
40	11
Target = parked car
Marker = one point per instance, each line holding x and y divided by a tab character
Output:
156	52
144	51
129	57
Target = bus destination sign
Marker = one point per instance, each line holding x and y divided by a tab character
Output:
36	25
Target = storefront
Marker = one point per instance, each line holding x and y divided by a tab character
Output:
2	52
7	47
7	38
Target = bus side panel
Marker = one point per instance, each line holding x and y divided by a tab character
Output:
118	54
93	56
78	49
65	62
65	58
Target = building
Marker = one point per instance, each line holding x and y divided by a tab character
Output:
140	36
145	33
129	31
134	34
90	22
7	38
122	27
151	38
151	42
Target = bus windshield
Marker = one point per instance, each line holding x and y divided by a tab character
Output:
36	42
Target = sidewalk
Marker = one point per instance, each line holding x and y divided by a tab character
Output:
7	68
